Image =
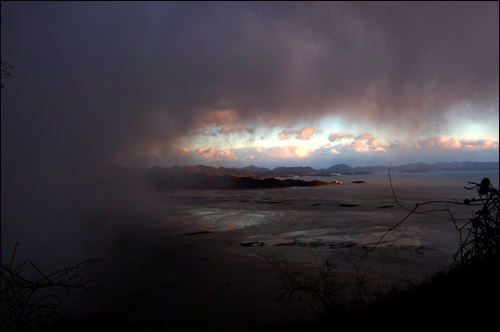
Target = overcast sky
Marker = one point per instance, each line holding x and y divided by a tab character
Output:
234	84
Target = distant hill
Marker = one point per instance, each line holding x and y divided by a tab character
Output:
406	168
449	166
343	169
466	166
340	168
207	177
255	170
291	171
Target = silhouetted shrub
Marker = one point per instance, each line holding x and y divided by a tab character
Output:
479	237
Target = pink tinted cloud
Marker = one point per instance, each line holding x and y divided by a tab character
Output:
302	134
182	152
479	144
360	147
443	142
305	133
212	154
365	142
285	133
364	137
376	145
338	136
375	142
286	152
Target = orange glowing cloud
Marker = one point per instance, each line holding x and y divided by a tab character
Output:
305	133
303	151
479	144
443	142
287	152
212	154
376	145
364	137
360	147
182	152
338	136
302	134
375	142
362	143
283	135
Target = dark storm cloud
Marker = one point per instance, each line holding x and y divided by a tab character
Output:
93	80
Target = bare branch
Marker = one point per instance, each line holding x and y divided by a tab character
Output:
28	304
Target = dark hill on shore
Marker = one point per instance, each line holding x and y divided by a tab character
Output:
205	181
191	177
207	177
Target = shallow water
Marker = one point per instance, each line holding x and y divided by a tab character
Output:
198	259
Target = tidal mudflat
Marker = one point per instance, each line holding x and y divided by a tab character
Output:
199	259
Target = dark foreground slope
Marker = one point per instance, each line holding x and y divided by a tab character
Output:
462	299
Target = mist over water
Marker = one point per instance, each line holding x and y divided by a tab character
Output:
165	249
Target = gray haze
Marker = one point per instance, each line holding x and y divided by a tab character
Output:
94	80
